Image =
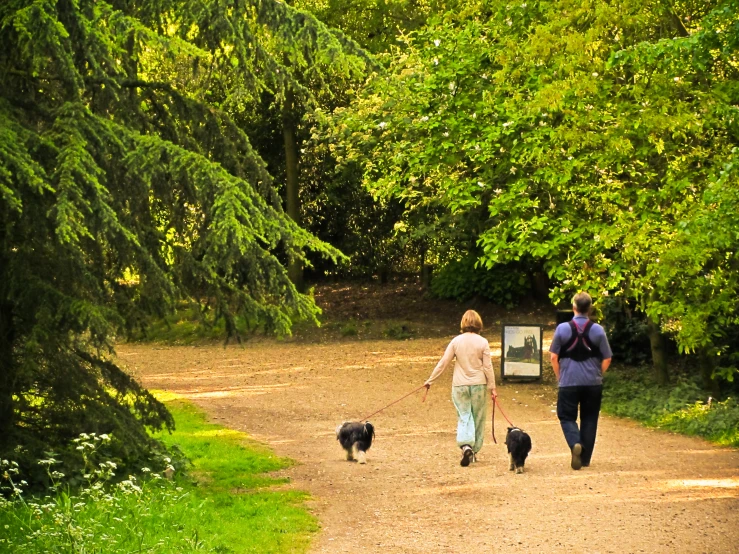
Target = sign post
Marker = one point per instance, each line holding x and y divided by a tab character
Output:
521	351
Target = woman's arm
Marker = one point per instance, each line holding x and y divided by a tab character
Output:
487	368
442	365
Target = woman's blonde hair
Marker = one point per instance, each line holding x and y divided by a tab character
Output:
471	322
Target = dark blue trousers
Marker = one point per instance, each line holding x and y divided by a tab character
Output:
588	399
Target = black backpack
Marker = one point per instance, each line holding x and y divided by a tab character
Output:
580	347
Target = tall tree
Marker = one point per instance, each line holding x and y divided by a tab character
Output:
126	186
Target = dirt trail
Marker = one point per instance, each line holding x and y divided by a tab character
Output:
646	491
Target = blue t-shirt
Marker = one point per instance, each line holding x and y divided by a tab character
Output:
572	373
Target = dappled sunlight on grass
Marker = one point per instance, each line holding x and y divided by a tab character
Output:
165	396
217	433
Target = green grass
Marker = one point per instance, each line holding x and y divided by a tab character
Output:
681	407
186	326
228	503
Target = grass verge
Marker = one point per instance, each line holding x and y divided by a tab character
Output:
226	504
682	407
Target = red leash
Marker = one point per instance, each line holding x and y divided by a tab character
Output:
398	400
495	402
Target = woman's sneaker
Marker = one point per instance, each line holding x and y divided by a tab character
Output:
467	455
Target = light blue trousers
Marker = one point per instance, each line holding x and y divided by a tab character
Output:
471	403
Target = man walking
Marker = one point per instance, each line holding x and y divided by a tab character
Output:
580	356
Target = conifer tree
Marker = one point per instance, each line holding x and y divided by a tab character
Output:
126	186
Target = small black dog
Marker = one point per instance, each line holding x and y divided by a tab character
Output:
356	439
519	446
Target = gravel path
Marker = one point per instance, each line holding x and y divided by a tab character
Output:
646	491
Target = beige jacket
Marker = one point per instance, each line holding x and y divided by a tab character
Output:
472	365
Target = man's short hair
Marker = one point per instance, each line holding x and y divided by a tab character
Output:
471	322
582	302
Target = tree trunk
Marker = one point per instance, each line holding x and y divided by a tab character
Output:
659	357
540	284
295	267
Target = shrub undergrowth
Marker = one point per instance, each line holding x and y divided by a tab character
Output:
225	504
682	407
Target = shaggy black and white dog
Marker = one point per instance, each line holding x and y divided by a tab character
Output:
519	446
356	439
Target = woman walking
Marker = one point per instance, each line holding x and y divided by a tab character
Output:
473	374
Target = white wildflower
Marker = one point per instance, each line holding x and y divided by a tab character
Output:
436	61
425	118
382	125
437	42
595	73
498	191
480	184
509	22
513	170
507	123
676	79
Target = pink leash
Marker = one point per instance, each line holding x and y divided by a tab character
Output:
495	402
396	401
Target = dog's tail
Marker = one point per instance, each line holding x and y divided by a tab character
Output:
369	431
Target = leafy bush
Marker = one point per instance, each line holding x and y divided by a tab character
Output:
461	280
349	329
399	331
683	407
626	329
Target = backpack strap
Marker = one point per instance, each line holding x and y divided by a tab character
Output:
578	335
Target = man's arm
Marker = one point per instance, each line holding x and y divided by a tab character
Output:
604	365
606	352
555	364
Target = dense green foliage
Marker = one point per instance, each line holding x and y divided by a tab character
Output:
229	509
462	280
127	185
683	407
596	141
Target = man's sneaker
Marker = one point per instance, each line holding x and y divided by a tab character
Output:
467	455
576	462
